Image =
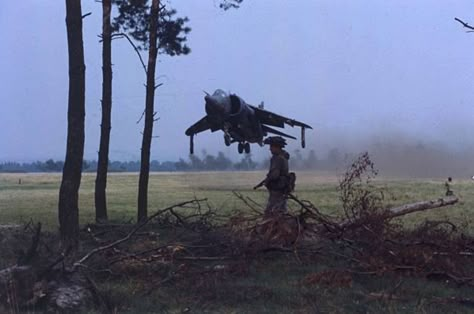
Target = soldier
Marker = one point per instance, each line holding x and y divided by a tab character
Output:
277	180
448	185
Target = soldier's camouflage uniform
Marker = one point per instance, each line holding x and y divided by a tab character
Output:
276	183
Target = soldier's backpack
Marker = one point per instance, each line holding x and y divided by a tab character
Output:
285	183
291	182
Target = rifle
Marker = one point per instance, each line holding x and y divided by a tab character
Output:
260	184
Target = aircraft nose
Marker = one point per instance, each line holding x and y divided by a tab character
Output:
212	105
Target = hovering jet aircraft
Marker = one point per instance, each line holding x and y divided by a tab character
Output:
240	122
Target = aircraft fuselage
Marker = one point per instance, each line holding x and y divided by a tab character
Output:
234	117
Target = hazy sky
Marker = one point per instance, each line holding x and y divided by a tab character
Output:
352	69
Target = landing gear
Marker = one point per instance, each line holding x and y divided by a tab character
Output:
227	140
240	148
303	137
244	147
191	144
247	148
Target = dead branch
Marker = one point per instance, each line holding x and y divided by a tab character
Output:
141	117
136	255
421	206
81	261
204	258
32	251
395	212
123	35
328	222
466	25
247	201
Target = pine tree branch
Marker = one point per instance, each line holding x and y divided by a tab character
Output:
123	35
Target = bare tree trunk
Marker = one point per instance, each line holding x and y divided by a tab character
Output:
142	211
68	209
402	210
103	162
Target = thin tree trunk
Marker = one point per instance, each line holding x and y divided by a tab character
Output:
68	209
103	162
142	211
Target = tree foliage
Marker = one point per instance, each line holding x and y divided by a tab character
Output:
134	18
230	4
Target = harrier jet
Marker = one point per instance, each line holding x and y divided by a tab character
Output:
240	122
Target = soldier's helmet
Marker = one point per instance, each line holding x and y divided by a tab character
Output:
275	140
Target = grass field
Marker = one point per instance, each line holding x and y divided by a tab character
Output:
37	195
272	284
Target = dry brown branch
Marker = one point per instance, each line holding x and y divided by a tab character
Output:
136	255
311	211
130	234
249	202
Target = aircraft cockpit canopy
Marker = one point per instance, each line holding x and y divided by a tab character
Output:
219	93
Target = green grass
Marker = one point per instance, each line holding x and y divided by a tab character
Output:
37	196
270	285
275	285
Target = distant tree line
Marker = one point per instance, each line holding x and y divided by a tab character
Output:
391	158
207	162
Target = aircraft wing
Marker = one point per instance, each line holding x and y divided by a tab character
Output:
200	126
273	119
270	130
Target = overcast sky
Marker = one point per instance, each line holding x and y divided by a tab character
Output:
352	69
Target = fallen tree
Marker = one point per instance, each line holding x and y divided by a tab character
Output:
421	206
406	209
